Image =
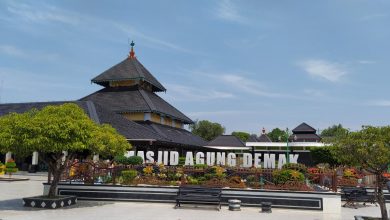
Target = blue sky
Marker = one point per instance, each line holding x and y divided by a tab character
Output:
244	64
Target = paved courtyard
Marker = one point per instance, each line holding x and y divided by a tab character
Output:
11	208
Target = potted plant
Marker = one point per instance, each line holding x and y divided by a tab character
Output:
2	168
10	167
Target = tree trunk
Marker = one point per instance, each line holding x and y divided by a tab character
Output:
380	197
56	168
54	183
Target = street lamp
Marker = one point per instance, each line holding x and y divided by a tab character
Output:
287	146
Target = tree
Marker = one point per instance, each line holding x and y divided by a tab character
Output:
207	130
55	130
277	135
323	155
369	149
333	131
242	135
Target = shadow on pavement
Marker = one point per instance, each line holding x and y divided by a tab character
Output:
14	205
359	205
197	207
88	203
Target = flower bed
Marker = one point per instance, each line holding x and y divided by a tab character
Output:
290	177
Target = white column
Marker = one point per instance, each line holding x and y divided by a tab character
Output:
34	160
65	155
95	157
8	156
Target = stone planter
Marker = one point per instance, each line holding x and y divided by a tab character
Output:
49	203
266	207
234	205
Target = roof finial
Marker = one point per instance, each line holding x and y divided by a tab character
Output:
132	53
263	130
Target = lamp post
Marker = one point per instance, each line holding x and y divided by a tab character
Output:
287	148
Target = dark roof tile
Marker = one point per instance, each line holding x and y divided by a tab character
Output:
226	141
123	99
175	135
252	138
128	69
127	128
264	138
304	128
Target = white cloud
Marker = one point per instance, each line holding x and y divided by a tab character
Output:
383	103
324	69
191	94
314	92
238	83
247	85
130	31
45	13
42	13
227	10
11	50
373	16
15	79
366	61
218	113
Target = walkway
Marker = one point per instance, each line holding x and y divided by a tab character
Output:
11	208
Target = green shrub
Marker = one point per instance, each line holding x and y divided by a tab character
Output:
10	167
128	176
295	166
121	159
173	176
106	179
252	179
135	160
323	155
204	166
1	167
285	175
201	179
192	180
208	176
182	161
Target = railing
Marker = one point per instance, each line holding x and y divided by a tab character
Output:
88	172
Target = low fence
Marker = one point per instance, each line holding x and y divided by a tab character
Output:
88	172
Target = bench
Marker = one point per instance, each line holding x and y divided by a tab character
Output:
198	195
355	195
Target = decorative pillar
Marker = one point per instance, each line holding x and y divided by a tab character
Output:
95	158
34	162
65	155
8	156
